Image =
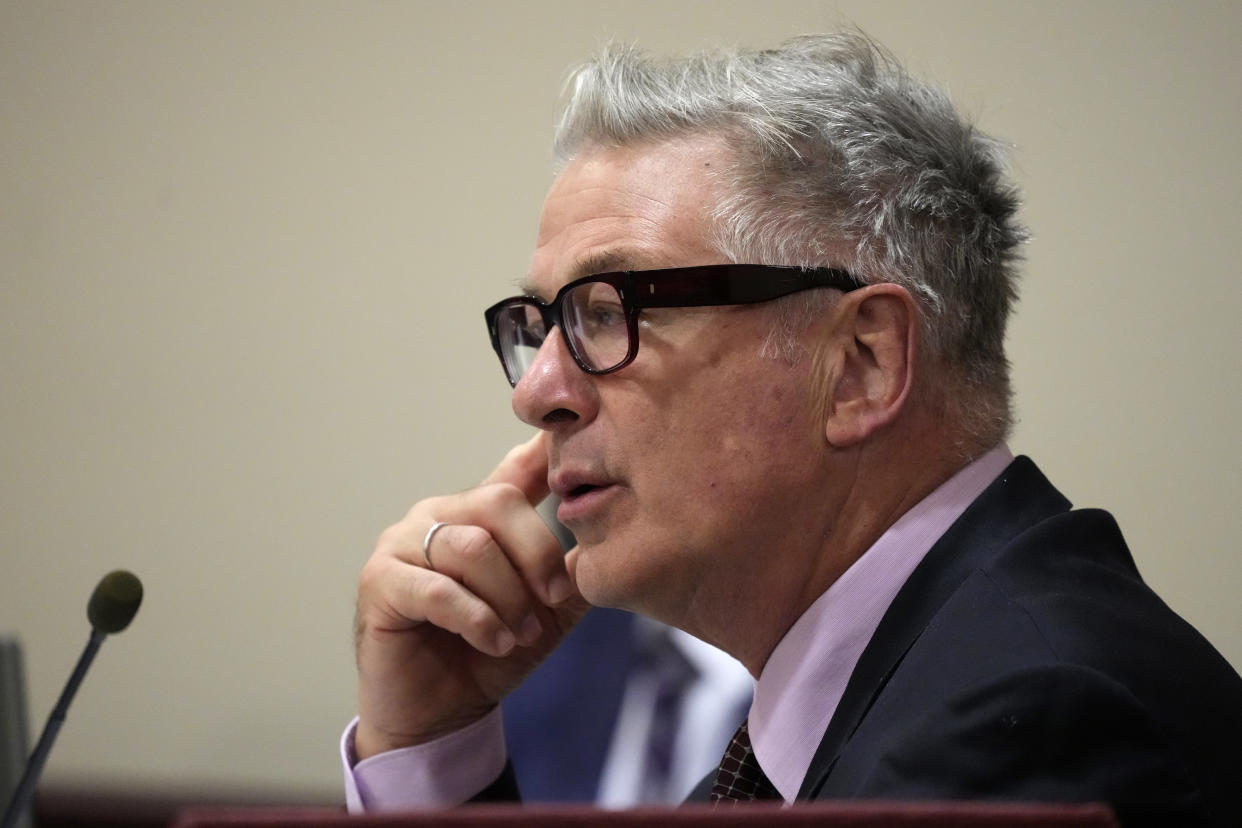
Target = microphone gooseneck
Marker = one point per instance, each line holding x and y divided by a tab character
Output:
112	606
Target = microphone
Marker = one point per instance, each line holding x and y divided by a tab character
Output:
113	604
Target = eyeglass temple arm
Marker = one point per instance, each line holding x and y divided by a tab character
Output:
736	285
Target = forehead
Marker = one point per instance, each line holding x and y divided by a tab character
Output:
628	208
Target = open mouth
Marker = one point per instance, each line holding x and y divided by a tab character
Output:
584	492
584	501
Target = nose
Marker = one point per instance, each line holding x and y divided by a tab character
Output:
555	393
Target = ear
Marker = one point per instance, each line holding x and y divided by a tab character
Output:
876	338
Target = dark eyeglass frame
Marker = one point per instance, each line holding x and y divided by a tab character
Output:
677	287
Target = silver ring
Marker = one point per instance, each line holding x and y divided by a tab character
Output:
435	527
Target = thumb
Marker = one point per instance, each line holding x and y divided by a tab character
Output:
525	466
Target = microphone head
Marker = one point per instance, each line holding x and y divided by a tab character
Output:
115	601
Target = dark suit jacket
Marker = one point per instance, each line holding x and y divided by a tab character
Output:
1025	659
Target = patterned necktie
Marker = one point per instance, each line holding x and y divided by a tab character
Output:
739	777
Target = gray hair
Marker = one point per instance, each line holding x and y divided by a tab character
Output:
841	159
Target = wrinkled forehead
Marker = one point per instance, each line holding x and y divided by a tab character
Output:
629	208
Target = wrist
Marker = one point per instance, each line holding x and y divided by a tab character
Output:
371	741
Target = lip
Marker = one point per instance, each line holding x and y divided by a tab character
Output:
581	507
582	494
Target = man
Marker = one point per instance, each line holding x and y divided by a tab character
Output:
801	462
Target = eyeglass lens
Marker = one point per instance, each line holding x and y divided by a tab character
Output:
594	321
520	332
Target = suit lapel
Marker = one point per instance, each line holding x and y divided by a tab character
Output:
1019	498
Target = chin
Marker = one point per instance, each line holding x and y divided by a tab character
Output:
607	577
595	582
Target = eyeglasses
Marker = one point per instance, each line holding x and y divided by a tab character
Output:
598	315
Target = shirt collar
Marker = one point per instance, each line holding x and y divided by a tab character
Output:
805	676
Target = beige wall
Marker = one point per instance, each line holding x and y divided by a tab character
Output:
245	247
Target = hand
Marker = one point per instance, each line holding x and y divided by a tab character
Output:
438	648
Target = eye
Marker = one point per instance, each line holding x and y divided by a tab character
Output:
595	311
602	315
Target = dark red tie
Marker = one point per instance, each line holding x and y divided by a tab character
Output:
739	777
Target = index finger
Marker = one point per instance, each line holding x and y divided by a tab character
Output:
526	467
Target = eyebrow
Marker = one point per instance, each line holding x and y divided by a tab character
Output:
600	261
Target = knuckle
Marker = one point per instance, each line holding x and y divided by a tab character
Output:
474	544
391	538
439	590
423	507
372	575
480	620
501	496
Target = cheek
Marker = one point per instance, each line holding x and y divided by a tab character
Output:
739	445
706	471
